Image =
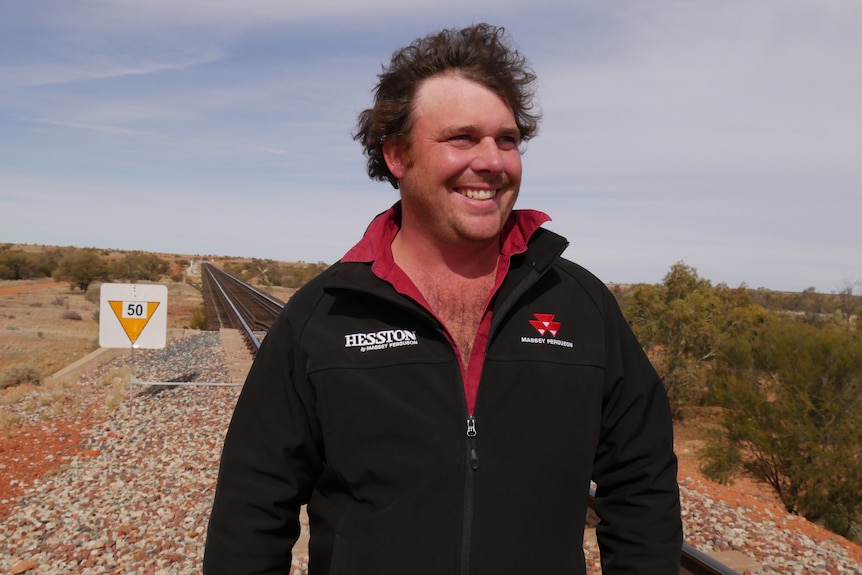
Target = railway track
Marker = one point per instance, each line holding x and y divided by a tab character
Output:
231	303
695	562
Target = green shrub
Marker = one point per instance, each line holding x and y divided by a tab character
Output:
199	318
790	395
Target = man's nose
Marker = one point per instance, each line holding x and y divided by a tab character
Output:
489	157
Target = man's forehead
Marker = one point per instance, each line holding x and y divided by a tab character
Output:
459	103
451	87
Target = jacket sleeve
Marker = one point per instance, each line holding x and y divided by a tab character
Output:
637	495
269	463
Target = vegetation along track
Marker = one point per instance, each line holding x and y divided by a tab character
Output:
231	303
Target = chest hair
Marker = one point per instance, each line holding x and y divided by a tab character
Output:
460	305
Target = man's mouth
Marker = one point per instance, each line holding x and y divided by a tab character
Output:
477	194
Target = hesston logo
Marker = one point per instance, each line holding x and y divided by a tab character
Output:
545	325
384	339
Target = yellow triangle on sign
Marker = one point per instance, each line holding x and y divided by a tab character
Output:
134	323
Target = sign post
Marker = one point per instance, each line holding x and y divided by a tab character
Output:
133	315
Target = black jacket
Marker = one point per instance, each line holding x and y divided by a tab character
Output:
355	405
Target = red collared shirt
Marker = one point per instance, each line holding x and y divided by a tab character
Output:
376	247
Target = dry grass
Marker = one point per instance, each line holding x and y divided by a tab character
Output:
34	335
44	330
116	383
8	420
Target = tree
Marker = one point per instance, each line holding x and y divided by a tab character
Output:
47	260
848	301
137	266
15	265
681	323
81	268
791	401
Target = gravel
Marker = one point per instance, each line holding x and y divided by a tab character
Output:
137	499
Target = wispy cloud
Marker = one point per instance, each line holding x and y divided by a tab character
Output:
89	126
83	67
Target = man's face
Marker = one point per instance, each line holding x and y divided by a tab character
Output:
460	175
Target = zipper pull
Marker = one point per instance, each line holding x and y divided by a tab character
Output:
471	435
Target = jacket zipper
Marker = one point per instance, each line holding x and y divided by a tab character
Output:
472	465
469	494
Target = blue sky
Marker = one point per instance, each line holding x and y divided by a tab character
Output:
725	134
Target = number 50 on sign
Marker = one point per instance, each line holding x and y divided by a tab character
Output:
137	309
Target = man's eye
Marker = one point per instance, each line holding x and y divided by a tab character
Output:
507	143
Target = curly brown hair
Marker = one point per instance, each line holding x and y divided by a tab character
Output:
480	53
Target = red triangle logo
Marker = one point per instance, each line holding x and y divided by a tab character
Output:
544	323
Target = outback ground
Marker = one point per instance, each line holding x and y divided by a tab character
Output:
45	326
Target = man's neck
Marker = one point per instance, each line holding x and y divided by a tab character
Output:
413	253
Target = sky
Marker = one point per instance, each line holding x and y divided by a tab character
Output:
724	134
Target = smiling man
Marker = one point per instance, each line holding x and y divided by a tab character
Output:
442	397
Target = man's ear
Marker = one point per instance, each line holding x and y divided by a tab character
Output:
396	154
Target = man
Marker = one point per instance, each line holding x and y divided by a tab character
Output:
443	396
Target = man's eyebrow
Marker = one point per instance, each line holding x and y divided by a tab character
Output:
472	129
469	128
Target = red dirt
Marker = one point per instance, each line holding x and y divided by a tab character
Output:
16	289
759	498
34	450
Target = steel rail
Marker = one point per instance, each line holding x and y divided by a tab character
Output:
238	305
236	316
258	308
696	562
236	296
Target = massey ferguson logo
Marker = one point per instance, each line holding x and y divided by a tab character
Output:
545	325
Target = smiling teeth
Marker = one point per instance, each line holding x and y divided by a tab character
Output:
480	194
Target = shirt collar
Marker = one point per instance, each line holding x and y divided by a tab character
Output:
376	244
